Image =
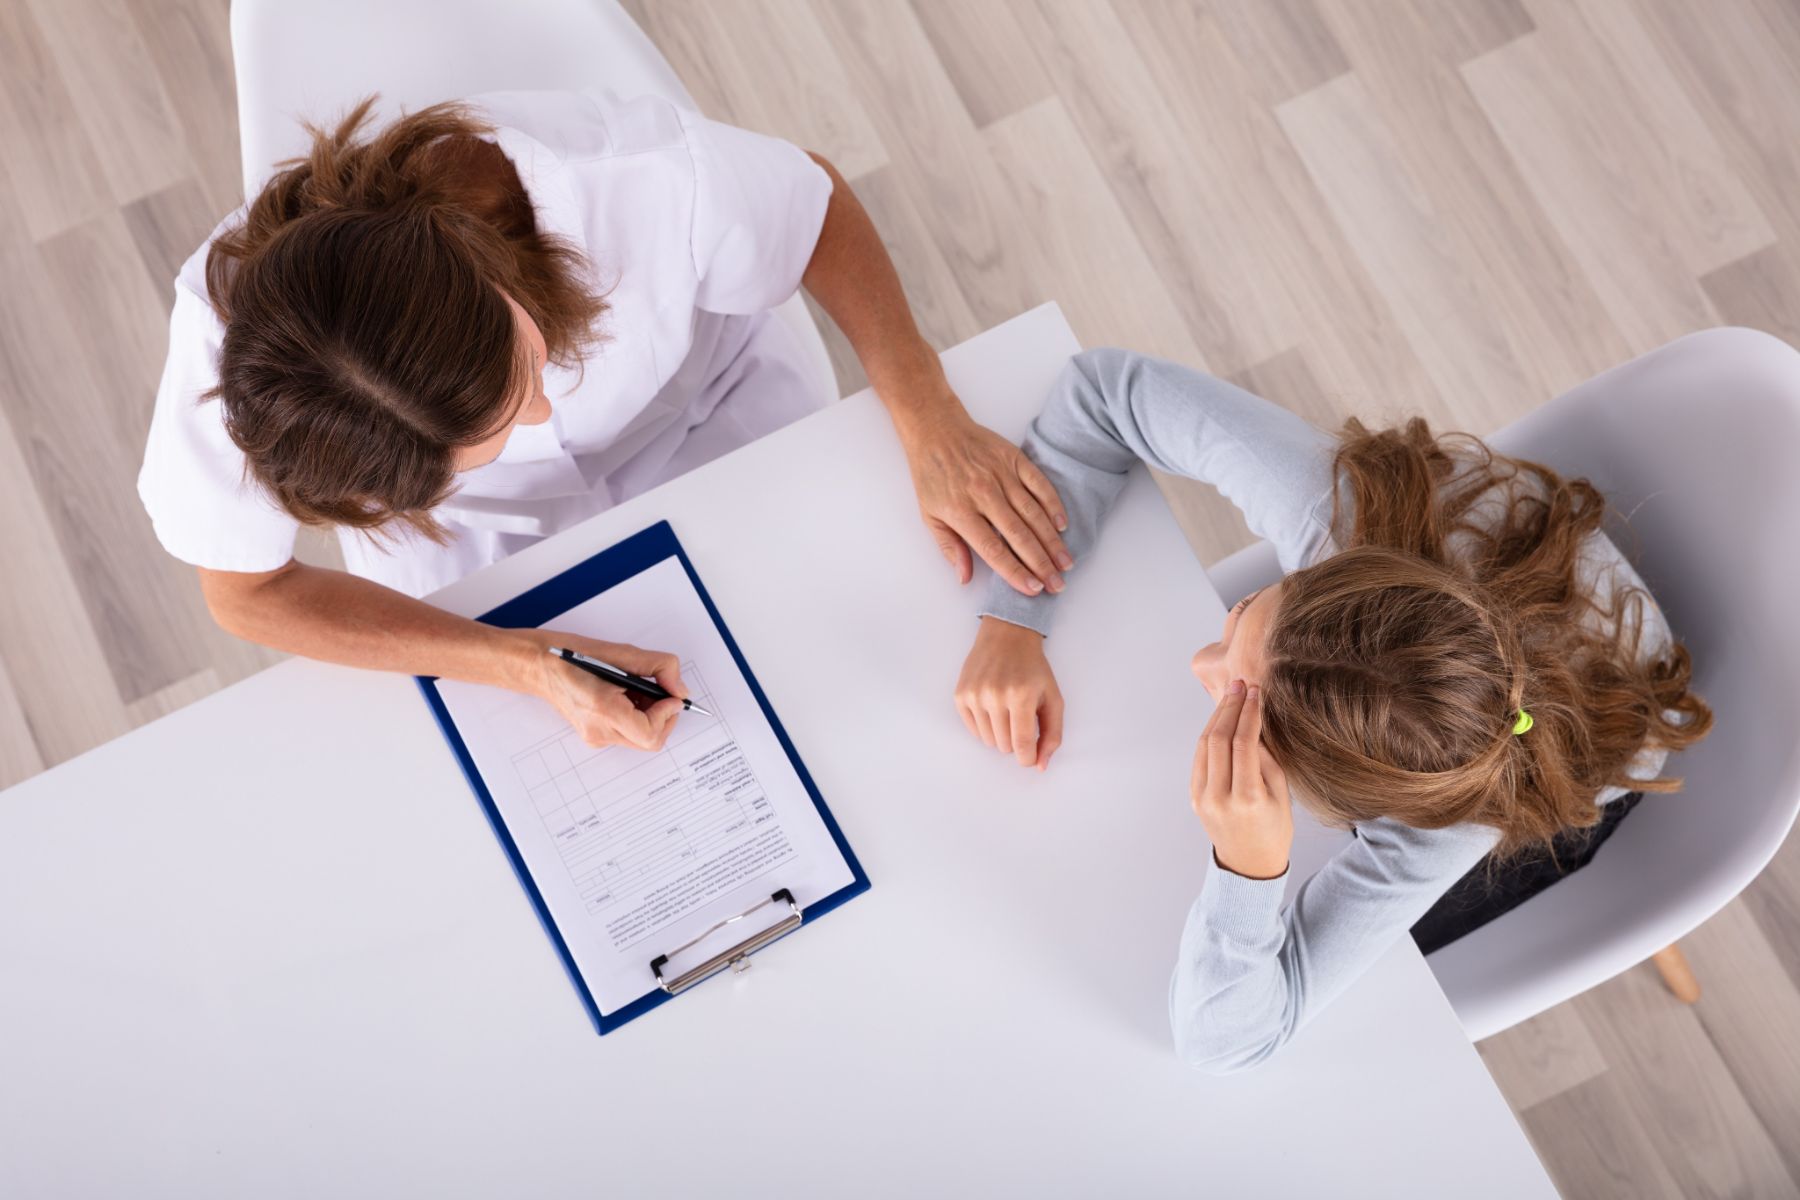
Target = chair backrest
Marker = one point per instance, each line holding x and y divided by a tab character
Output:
1694	444
314	59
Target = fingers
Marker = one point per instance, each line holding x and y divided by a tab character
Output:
1219	737
1025	545
1197	782
1246	742
1040	486
987	542
1050	727
1007	696
984	728
662	667
669	675
656	723
954	550
1042	528
1027	731
620	723
616	721
659	665
1023	721
1250	758
663	715
1217	712
1001	720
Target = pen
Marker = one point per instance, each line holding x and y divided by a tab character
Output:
624	679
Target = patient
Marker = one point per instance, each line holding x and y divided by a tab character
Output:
1458	665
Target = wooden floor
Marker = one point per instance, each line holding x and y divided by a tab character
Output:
1457	207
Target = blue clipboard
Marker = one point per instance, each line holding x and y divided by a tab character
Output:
578	584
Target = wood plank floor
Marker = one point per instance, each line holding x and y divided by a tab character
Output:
1455	207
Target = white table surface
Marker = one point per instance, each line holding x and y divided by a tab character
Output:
268	945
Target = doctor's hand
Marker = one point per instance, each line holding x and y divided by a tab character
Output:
1239	791
1007	694
602	714
978	491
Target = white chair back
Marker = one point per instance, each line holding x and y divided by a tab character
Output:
1695	444
313	59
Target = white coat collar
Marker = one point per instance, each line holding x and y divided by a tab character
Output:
545	179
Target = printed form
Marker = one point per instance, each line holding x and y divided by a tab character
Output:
637	853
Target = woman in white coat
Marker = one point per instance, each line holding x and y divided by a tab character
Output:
489	321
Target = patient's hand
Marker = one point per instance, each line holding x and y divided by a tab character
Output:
1240	792
1007	694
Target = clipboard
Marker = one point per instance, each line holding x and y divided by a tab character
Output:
539	605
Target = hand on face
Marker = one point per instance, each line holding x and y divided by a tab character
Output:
1239	652
1239	791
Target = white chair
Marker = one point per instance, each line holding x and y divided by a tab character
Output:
313	59
1697	444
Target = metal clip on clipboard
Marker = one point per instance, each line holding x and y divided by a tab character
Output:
732	956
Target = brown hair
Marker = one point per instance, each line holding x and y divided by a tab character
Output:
366	336
1397	666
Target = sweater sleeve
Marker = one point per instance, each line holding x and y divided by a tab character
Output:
1251	972
1112	409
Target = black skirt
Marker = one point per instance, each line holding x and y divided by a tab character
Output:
1488	891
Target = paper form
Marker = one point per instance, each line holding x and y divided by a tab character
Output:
636	853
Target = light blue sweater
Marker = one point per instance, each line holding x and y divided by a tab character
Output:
1251	972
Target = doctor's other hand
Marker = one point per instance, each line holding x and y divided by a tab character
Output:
605	715
977	491
1007	694
1239	791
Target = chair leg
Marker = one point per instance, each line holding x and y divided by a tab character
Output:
1672	965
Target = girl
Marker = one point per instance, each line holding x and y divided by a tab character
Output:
1458	665
488	322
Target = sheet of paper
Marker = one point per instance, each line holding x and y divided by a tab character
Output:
636	853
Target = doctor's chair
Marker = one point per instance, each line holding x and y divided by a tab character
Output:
313	60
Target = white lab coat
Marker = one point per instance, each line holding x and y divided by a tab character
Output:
697	229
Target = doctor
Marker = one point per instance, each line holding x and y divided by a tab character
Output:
486	322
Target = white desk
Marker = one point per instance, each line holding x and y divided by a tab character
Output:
268	946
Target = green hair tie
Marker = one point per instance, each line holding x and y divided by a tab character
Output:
1523	724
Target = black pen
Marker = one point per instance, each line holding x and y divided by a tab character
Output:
624	679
